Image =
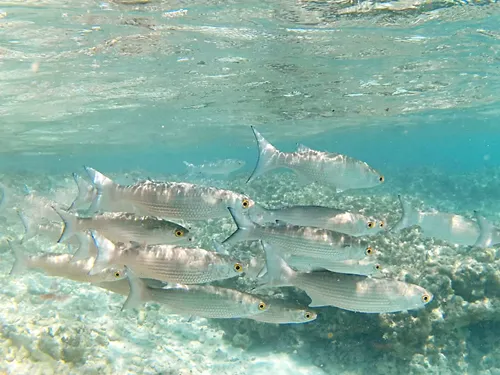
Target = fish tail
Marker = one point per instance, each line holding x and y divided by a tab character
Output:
101	183
278	272
20	262
105	252
69	222
83	251
247	230
29	229
268	158
409	216
83	188
4	200
485	231
138	291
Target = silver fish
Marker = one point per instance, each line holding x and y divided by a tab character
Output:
195	300
171	200
218	167
301	241
62	265
333	219
86	194
281	312
348	292
5	197
125	227
445	226
169	263
354	267
331	169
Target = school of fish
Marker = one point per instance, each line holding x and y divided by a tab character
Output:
137	240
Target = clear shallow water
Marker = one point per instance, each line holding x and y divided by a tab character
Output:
135	89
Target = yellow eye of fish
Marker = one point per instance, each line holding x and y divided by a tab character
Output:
245	203
308	315
371	224
377	267
426	298
262	306
118	274
381	179
369	251
381	224
238	267
179	233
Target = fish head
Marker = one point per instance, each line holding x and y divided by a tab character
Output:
368	226
416	297
257	306
364	250
301	316
111	274
180	235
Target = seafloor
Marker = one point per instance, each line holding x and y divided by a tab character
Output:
55	326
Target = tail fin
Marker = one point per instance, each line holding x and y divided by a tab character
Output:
86	249
105	253
139	291
30	229
69	221
4	200
247	229
486	229
84	187
409	217
20	262
268	158
278	273
101	183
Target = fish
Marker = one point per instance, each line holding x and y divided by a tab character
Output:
125	227
330	169
205	301
354	267
455	229
341	221
82	241
169	200
283	312
62	265
39	208
86	194
300	241
489	235
170	263
348	292
218	167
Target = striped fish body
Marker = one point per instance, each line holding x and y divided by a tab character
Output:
207	301
354	267
329	218
172	200
174	264
449	227
280	312
359	293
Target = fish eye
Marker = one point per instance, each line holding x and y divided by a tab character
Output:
378	267
381	225
118	274
238	267
369	251
371	224
308	315
262	306
245	203
381	179
426	298
179	233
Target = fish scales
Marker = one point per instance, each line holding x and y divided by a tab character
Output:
173	200
169	262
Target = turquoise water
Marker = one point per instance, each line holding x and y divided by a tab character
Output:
133	89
